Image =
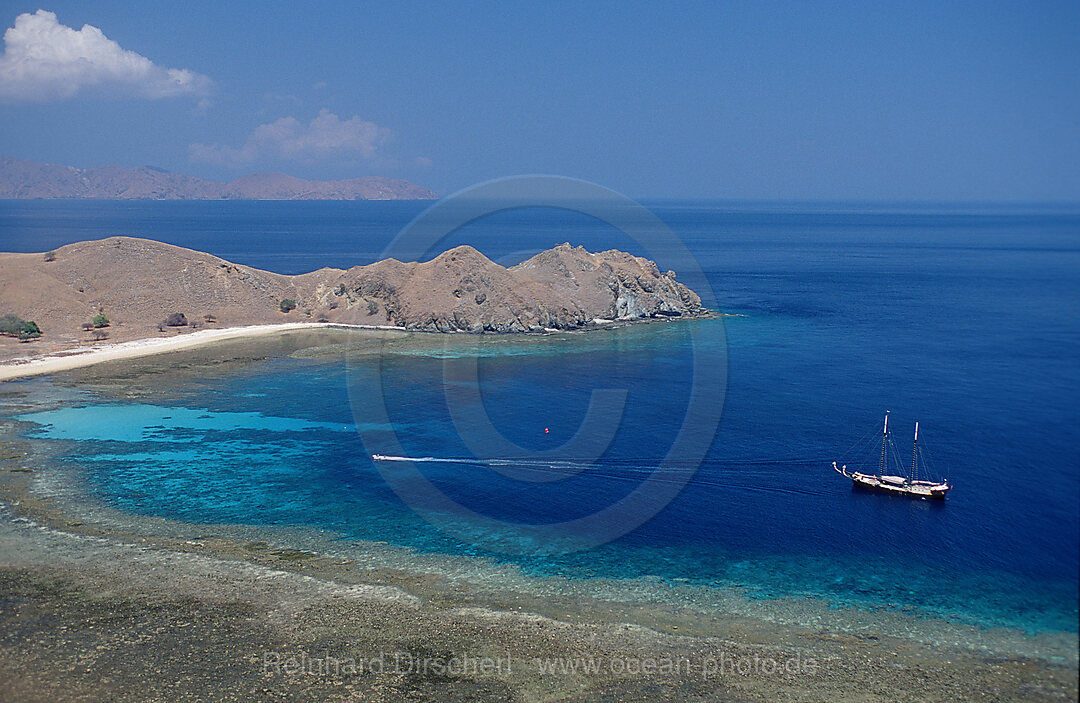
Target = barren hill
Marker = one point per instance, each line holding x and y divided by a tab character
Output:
21	179
137	283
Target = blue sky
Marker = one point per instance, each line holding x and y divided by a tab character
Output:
862	100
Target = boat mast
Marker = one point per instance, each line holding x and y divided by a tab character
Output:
914	448
884	437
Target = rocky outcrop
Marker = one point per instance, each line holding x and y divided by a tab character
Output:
138	282
567	287
23	179
630	286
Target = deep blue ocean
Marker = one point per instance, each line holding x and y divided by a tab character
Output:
962	317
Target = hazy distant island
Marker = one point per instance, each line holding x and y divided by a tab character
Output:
122	288
22	179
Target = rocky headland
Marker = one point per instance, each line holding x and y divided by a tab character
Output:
145	289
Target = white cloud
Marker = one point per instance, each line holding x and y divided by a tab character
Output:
288	138
44	60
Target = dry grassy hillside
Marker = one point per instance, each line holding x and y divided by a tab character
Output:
138	283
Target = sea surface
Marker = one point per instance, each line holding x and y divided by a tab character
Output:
963	317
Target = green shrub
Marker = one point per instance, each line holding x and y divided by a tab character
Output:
15	326
287	305
10	324
100	320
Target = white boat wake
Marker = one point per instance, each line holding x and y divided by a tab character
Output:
743	474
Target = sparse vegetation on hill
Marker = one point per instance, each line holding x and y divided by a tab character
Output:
100	320
15	326
176	319
287	305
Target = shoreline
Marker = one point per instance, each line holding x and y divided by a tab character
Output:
80	357
83	356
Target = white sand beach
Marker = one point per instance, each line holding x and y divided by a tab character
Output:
79	357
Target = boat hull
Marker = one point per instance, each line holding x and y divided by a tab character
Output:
872	483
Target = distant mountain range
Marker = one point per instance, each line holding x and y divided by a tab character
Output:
30	179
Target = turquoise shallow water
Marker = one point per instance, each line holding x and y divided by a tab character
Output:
277	445
954	319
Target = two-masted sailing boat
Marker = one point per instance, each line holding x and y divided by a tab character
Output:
882	482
